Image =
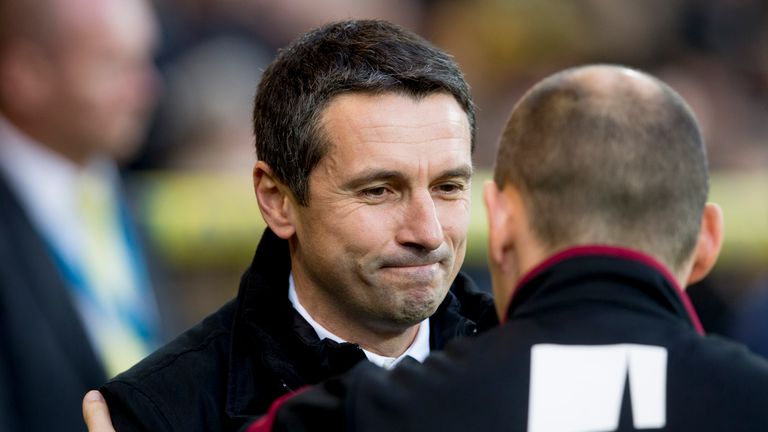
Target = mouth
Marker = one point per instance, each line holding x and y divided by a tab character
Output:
419	273
414	267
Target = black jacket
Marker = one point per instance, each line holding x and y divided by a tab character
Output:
46	361
612	315
256	348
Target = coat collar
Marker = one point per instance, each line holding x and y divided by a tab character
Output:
576	265
274	350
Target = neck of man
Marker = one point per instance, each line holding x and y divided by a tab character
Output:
51	139
383	339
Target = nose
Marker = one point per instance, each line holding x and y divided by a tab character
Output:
420	226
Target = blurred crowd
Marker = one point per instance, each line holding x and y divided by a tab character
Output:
714	53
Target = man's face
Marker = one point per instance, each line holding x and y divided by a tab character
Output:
103	87
384	234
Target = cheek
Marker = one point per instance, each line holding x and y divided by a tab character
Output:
334	233
454	219
366	225
103	88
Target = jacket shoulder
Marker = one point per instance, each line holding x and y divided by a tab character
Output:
190	371
730	361
714	372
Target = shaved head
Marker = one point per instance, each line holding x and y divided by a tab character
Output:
607	155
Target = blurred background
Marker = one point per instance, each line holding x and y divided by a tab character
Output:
190	183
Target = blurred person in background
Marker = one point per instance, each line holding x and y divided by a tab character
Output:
76	305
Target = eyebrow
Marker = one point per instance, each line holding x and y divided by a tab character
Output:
372	176
464	172
375	175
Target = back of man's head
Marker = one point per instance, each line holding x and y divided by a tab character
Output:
350	56
609	155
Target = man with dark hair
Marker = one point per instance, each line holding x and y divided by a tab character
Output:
597	218
369	57
364	136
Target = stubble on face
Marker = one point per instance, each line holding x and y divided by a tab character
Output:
384	233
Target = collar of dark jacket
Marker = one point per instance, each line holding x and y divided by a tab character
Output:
274	350
620	276
466	311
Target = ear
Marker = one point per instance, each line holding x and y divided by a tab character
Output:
709	243
508	243
275	201
499	234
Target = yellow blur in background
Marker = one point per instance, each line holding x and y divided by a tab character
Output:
212	220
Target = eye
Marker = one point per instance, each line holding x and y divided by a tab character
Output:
449	189
377	193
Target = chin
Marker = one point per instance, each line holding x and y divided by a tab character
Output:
418	308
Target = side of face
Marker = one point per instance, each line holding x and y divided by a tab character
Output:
502	283
513	247
503	262
384	234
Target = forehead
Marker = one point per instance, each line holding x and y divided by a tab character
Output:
118	22
368	129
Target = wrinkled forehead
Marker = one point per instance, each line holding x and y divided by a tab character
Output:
394	115
390	129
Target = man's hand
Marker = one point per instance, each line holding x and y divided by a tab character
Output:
96	413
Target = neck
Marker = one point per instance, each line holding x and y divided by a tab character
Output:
385	342
50	139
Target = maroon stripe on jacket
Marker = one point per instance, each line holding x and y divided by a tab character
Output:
265	423
617	252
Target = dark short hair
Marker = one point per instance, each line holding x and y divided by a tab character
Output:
367	56
606	162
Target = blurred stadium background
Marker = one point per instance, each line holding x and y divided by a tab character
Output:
191	183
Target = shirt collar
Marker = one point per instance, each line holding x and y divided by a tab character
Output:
419	348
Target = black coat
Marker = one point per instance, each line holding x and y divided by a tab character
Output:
230	367
46	361
588	301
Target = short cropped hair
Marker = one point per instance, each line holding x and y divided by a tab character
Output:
366	56
607	163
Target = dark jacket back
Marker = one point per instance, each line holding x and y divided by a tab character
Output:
602	340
